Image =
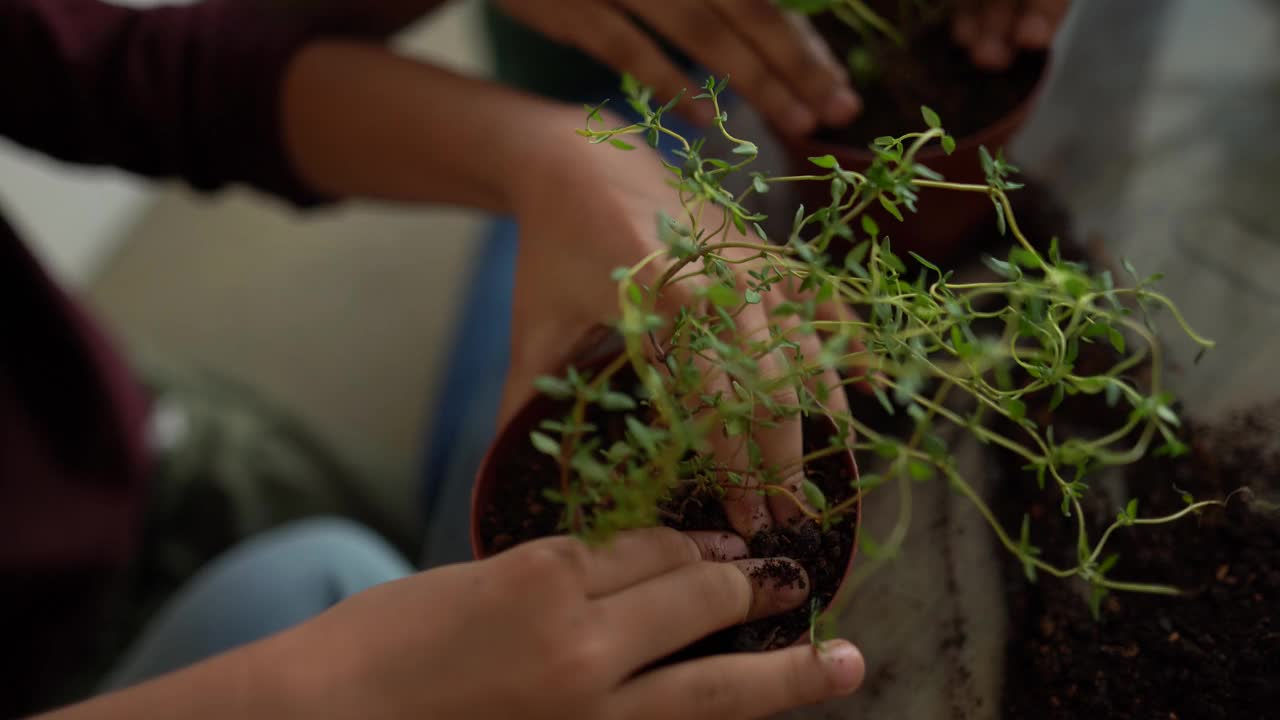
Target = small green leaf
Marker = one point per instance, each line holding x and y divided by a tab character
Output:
616	401
948	144
1167	415
618	452
1002	268
1109	563
934	445
1026	550
1016	408
621	145
826	162
869	226
1096	594
746	148
853	260
930	117
1059	394
988	164
838	188
723	296
553	387
1132	509
813	494
925	263
759	184
890	207
920	470
1129	268
886	449
1117	340
883	398
544	443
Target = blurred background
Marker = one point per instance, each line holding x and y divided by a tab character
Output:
340	316
1155	129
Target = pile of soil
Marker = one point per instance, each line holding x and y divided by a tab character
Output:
520	513
931	69
1212	653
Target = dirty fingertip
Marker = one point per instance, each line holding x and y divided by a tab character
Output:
748	513
843	663
720	546
779	584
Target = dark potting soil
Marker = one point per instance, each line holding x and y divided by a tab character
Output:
1212	653
931	70
520	513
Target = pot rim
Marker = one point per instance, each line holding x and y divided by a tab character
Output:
1006	125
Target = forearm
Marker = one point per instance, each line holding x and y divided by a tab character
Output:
246	684
361	121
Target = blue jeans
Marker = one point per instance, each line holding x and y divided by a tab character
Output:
258	588
465	418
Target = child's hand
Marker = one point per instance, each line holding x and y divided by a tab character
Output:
777	61
994	30
557	629
585	210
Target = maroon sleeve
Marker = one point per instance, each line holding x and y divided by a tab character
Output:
191	92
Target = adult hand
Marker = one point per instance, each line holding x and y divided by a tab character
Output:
555	629
585	210
994	30
776	59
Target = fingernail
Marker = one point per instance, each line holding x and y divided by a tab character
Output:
798	121
842	108
843	663
993	54
1035	31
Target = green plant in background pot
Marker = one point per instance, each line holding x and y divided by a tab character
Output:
902	55
619	440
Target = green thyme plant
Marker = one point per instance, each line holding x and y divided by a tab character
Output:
923	341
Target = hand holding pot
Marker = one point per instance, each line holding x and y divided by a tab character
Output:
994	30
777	61
555	629
551	629
589	209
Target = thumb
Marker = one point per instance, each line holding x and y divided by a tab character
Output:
745	685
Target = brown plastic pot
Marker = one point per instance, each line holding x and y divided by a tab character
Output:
516	435
946	217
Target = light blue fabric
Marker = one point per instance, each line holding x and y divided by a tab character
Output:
258	588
